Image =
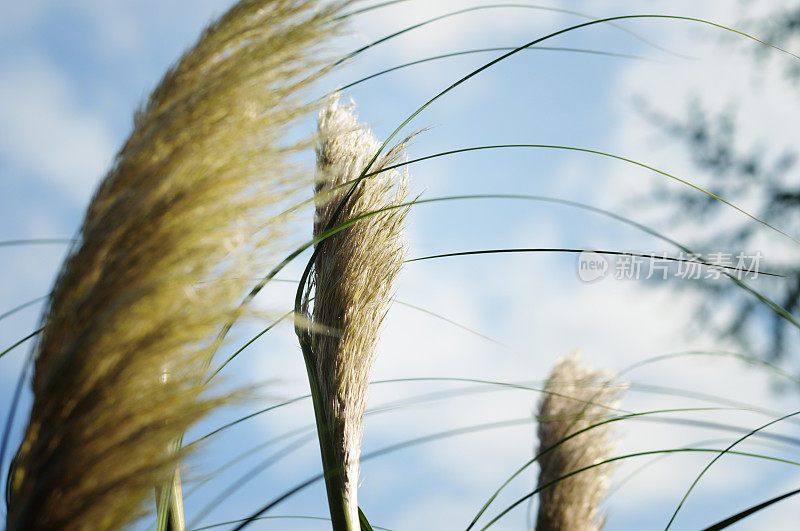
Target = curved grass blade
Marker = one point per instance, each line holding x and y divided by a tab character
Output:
381	382
744	514
22	306
727	450
38	241
386	450
563	250
721	353
778	309
318	518
12	410
343	202
247	417
307	430
308	434
481	387
594	152
638	470
294	445
705	397
249	342
628	456
402	303
362	520
490	7
562	441
462	431
487	50
507	385
21	341
454	323
784	439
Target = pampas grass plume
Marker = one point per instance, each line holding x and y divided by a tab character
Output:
577	397
354	274
187	213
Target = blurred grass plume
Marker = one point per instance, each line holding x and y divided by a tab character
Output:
577	397
189	211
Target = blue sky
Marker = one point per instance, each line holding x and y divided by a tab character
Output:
72	73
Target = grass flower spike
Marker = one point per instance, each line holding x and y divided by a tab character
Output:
578	397
353	278
188	212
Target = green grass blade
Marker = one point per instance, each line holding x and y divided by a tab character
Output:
473	429
250	475
248	417
638	470
362	519
491	7
308	430
488	65
594	152
292	517
12	410
387	450
505	385
22	306
695	423
628	456
575	204
308	435
21	341
727	450
720	353
744	514
452	322
250	342
402	303
451	14
562	441
773	306
37	241
486	50
573	251
343	202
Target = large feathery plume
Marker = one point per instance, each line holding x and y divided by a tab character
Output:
188	213
577	397
353	278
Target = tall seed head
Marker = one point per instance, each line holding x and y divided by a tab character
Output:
578	397
353	277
